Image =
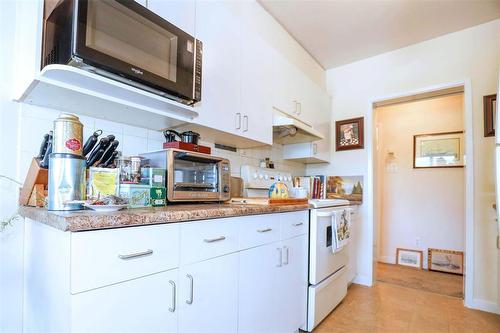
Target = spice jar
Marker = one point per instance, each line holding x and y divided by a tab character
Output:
125	166
135	169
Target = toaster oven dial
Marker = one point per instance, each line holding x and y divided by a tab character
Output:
225	189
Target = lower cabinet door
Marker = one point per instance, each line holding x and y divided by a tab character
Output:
295	282
146	304
208	295
261	290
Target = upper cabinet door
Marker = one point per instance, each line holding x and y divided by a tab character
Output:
285	91
256	87
180	13
219	30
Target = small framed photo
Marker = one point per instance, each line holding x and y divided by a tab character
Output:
490	112
410	258
438	150
446	261
349	134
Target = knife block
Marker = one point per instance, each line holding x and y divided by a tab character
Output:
35	176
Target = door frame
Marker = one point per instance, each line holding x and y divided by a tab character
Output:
468	178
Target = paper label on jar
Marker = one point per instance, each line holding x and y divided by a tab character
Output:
73	144
158	178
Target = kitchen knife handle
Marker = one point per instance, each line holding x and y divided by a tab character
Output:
107	154
95	157
89	144
45	162
43	146
111	159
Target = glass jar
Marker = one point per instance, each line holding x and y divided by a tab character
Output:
135	169
125	166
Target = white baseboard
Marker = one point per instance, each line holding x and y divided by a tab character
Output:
387	259
362	280
484	305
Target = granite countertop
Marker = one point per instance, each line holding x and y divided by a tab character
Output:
91	220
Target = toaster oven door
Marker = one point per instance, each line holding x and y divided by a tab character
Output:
193	177
127	39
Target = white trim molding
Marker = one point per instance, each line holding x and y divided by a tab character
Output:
363	280
484	305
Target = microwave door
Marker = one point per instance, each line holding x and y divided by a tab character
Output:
136	44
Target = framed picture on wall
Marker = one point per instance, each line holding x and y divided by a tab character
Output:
438	150
349	134
446	261
410	258
490	109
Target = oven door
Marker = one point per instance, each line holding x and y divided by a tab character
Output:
322	261
129	40
193	176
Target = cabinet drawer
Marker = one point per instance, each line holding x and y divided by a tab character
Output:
294	224
258	230
104	257
208	239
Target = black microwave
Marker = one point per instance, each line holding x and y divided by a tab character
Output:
125	41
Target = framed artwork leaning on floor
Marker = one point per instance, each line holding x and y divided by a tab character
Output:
446	261
409	257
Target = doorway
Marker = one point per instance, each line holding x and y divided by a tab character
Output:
419	189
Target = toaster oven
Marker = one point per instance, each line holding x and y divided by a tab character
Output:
193	176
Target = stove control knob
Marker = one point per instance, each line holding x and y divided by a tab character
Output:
255	175
261	176
266	177
279	178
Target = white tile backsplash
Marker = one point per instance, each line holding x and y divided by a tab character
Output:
36	121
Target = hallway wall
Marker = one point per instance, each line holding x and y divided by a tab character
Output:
419	208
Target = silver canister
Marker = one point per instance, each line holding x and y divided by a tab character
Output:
66	181
68	135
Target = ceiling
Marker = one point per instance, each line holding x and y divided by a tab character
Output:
337	32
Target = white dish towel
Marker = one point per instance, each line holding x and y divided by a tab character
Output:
341	229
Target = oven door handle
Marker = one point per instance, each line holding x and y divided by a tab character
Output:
195	158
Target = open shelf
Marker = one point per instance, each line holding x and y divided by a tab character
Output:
74	90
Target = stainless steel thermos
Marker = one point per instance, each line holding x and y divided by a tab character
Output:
67	166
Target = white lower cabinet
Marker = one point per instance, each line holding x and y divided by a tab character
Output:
273	287
250	275
208	296
147	304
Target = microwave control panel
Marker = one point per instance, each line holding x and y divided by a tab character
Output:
225	177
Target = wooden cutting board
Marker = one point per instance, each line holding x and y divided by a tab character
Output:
267	201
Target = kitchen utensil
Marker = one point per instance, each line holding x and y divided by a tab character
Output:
95	157
111	159
190	137
68	135
187	146
44	163
91	142
107	154
43	147
103	144
66	181
171	135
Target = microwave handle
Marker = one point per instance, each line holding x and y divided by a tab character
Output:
194	158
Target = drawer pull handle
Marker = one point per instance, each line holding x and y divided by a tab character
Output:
172	308
218	239
298	224
264	230
287	255
135	255
280	262
191	292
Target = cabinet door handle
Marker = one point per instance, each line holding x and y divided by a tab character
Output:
135	255
238	121
280	262
287	255
264	230
298	224
245	123
300	108
296	104
172	308
212	240
191	291
315	148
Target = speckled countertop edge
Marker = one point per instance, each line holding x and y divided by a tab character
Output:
90	220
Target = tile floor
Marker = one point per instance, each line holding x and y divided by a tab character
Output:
391	308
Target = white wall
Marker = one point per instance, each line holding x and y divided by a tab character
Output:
423	204
472	53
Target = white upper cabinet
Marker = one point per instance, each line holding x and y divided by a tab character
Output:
256	87
180	13
219	31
